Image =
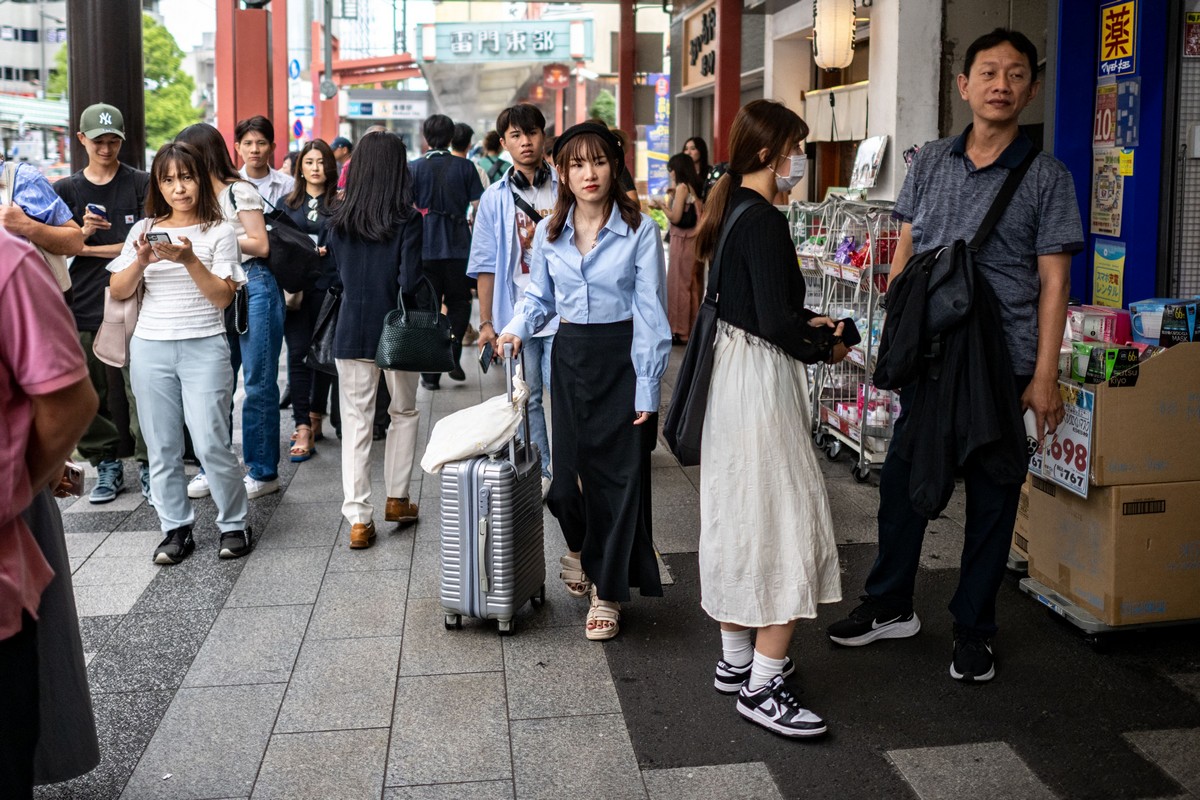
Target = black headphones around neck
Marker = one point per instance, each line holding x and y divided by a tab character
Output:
518	179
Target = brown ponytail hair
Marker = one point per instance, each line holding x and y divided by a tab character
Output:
759	125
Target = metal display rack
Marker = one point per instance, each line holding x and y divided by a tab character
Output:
810	227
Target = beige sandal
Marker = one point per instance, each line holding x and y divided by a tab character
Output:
573	577
603	619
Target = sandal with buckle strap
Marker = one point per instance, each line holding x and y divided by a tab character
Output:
603	619
573	577
302	451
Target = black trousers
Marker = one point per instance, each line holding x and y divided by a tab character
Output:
19	721
991	512
453	288
600	493
310	388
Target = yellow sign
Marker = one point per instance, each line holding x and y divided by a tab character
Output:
1118	38
1125	167
1109	274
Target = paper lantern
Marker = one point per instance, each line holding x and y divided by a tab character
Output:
833	33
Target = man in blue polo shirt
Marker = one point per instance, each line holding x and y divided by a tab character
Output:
1027	263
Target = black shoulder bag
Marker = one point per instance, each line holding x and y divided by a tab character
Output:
416	340
684	423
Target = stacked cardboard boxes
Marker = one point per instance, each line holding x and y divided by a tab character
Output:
1130	552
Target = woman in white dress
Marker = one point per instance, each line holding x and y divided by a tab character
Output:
767	553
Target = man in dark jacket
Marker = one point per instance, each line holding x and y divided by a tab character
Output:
1025	265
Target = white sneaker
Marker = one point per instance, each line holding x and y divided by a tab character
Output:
198	487
256	488
545	487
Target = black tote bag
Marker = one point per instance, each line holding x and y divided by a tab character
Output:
320	353
684	422
417	340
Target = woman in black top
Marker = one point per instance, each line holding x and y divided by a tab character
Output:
375	238
767	553
309	207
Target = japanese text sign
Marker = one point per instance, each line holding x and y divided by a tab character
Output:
1118	38
1065	457
561	40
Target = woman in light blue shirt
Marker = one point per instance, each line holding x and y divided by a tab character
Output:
598	264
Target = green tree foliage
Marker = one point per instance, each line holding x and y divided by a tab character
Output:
169	89
604	107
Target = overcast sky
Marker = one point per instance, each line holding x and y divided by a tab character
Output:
187	20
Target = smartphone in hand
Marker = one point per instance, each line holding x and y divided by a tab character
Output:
487	357
98	210
158	237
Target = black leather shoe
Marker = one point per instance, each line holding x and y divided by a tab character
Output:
430	385
457	374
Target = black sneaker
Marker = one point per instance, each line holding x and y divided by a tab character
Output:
235	544
176	547
973	659
777	709
729	679
873	620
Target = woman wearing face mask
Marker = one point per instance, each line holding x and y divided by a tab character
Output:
767	553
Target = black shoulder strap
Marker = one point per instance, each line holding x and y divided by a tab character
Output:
714	271
524	205
1003	198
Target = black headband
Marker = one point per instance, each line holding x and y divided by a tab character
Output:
599	130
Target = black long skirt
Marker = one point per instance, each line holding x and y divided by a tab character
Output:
600	494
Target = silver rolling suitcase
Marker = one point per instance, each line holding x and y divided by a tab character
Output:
492	549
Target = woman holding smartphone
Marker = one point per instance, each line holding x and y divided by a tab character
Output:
375	238
309	206
186	258
598	264
767	553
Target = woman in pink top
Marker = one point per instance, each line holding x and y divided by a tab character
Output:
46	403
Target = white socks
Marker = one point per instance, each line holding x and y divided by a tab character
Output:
764	670
737	649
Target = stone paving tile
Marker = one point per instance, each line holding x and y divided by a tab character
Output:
99	571
430	649
210	742
588	756
302	525
1174	751
721	782
341	684
426	570
330	765
130	544
95	631
354	605
203	581
676	528
150	651
313	487
485	790
126	501
125	724
449	728
88	522
556	672
107	599
392	551
250	645
985	769
280	578
81	545
75	563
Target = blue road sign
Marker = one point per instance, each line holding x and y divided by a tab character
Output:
294	69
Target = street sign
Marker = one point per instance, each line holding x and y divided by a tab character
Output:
298	129
303	111
294	69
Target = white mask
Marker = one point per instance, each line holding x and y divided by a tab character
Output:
785	183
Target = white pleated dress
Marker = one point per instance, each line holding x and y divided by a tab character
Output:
767	552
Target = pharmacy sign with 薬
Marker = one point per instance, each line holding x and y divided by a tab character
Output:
1118	39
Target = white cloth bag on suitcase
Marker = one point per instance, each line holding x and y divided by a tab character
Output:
476	431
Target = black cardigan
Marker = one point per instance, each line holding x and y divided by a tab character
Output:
762	291
370	275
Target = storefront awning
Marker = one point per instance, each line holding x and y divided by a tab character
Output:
838	114
16	110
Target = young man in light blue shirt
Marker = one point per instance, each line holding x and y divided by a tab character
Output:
501	252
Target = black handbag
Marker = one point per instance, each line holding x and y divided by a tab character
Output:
417	340
684	423
320	352
294	259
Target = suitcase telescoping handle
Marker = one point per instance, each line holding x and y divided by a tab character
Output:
510	372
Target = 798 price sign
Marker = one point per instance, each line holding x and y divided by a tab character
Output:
1065	457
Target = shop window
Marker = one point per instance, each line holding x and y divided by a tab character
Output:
27	34
837	129
30	75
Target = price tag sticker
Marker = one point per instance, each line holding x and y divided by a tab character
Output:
1065	457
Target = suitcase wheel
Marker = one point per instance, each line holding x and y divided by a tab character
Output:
506	627
539	599
453	622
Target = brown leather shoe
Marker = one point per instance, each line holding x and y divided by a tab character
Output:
362	535
399	509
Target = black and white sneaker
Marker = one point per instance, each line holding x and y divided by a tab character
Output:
729	679
176	547
873	620
973	661
777	709
235	544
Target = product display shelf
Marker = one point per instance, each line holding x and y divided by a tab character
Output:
809	224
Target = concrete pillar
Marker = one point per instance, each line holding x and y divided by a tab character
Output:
96	30
727	94
905	66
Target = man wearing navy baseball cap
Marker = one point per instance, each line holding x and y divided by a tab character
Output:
342	148
106	199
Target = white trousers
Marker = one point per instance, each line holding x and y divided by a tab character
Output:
358	381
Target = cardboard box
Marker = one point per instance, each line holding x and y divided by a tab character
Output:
1150	432
1020	540
1128	554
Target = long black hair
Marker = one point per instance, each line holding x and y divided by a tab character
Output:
702	148
211	144
685	172
328	162
378	190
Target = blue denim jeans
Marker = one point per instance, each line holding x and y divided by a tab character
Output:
257	352
537	375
